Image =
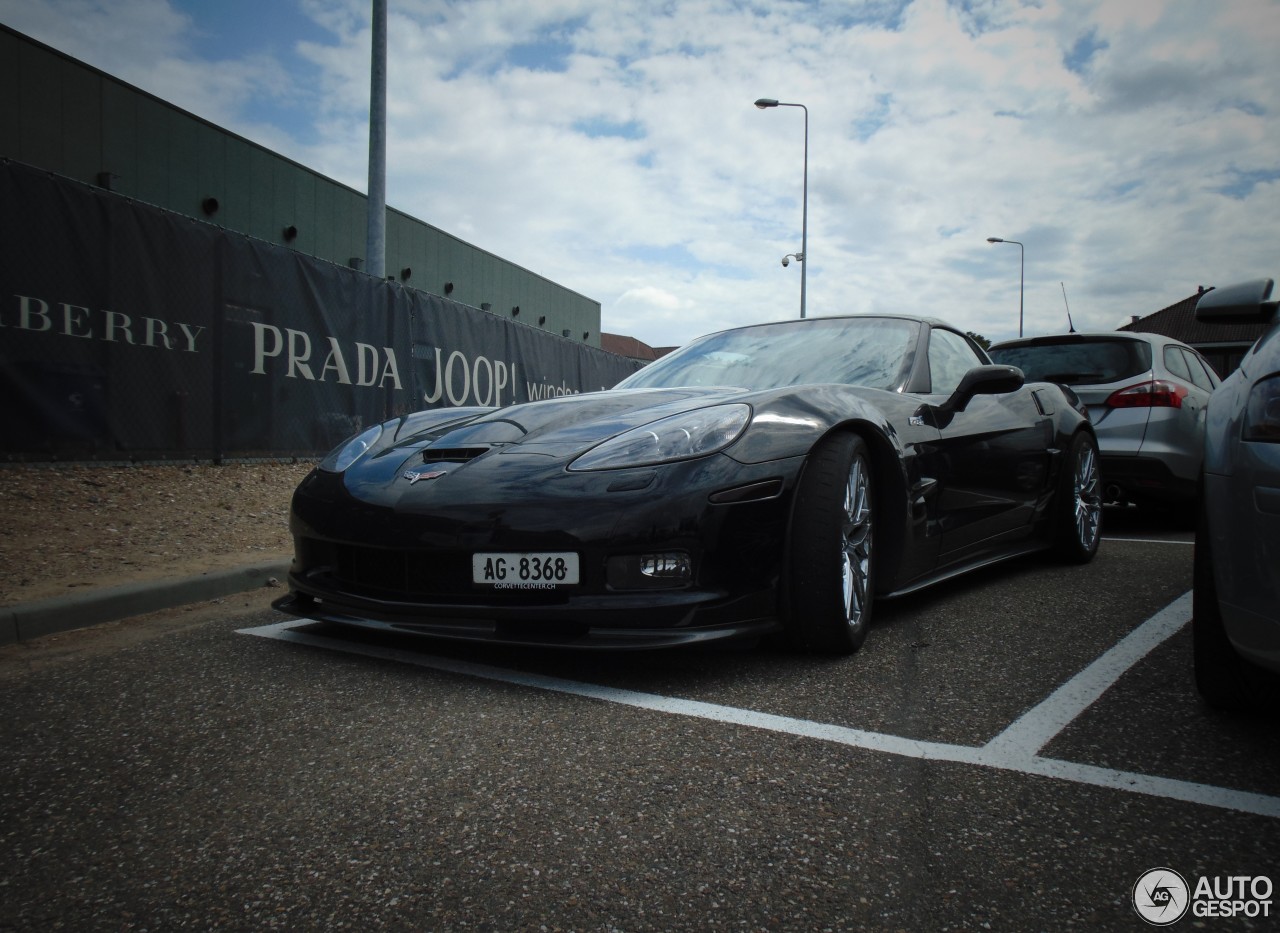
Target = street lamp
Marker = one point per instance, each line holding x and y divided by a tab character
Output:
802	257
1022	277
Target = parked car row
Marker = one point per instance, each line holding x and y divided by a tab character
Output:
1169	431
783	477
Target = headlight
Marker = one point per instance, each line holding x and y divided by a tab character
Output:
1262	412
680	437
348	452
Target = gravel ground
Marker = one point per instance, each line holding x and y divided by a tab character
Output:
69	526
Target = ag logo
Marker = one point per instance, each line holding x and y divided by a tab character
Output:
1161	897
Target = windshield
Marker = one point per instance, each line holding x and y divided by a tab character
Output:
860	351
1078	362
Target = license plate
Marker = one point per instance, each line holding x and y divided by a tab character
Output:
534	570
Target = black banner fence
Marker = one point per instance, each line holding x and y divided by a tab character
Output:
132	333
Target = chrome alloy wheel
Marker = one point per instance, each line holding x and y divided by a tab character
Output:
856	542
1087	492
830	586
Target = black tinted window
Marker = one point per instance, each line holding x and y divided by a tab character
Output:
1077	362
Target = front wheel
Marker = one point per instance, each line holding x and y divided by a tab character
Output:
1079	505
832	569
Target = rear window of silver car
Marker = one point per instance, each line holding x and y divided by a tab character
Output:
1077	361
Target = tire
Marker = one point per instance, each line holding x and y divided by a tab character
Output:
1078	526
832	571
1224	679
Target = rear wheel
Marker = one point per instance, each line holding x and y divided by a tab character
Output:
832	570
1079	505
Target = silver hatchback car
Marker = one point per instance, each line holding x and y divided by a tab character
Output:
1236	605
1146	396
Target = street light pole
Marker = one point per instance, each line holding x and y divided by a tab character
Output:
1022	277
376	221
765	103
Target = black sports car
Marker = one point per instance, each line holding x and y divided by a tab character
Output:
778	477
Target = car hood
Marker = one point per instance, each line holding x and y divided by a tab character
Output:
558	429
573	424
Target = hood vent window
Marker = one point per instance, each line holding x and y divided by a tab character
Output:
453	454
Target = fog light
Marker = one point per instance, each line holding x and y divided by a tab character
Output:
671	566
649	571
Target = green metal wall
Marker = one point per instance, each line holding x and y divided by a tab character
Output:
60	115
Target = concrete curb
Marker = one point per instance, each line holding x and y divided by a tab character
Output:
94	606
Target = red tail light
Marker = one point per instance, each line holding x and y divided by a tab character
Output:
1158	393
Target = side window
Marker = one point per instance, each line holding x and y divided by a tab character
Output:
950	357
1201	374
1176	363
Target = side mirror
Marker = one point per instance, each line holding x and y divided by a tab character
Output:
1245	303
981	380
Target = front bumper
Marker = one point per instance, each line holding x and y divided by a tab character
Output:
1244	531
403	563
557	629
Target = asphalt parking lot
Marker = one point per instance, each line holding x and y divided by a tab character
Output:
1011	751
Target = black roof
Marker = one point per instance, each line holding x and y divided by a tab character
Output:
1179	322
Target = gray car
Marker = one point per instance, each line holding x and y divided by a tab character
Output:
1236	607
1146	395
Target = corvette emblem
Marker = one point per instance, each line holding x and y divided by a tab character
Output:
414	475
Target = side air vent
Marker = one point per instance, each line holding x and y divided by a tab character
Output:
752	492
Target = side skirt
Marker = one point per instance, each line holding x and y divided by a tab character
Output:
975	563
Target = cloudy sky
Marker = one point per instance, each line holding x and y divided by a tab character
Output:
1132	146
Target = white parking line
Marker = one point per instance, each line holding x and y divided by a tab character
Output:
1036	728
1015	749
